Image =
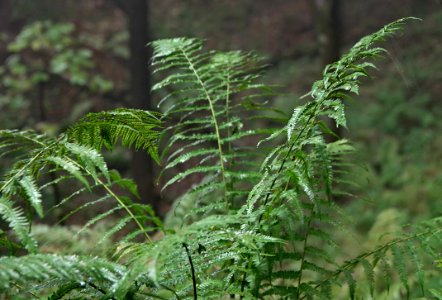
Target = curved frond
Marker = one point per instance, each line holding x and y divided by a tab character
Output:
134	127
28	271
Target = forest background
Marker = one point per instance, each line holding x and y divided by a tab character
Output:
61	59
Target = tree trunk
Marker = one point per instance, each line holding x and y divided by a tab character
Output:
137	17
5	13
326	16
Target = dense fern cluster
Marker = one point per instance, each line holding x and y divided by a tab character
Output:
256	225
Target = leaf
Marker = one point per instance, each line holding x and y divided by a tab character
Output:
70	167
399	263
32	192
351	284
369	273
18	222
134	127
293	122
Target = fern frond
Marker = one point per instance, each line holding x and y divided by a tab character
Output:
138	128
29	270
378	257
205	85
28	178
304	164
18	222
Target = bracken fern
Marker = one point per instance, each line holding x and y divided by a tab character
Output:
257	227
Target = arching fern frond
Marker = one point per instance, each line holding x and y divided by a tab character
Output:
304	163
29	178
91	274
134	127
207	88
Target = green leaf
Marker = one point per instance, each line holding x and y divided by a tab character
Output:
32	192
18	222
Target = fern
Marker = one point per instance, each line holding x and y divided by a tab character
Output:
206	86
134	127
89	272
243	231
37	156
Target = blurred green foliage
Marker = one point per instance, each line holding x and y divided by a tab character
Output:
43	54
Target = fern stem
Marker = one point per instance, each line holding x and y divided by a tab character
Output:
229	143
192	269
115	196
243	284
215	122
91	284
285	160
25	167
301	267
29	292
126	209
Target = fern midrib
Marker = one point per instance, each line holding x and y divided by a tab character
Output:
115	196
285	160
229	143
27	290
212	110
25	167
304	252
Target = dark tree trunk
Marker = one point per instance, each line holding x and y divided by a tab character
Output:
327	20
326	15
140	55
5	13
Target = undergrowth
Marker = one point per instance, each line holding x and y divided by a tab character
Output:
261	222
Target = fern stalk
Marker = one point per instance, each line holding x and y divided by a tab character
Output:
25	167
22	288
215	122
115	196
304	252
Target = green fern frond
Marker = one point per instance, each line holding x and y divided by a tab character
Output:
304	164
18	222
32	193
205	86
134	127
369	273
351	283
26	271
28	178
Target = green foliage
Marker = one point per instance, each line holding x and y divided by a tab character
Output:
254	227
54	52
208	117
44	52
88	272
134	127
37	156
